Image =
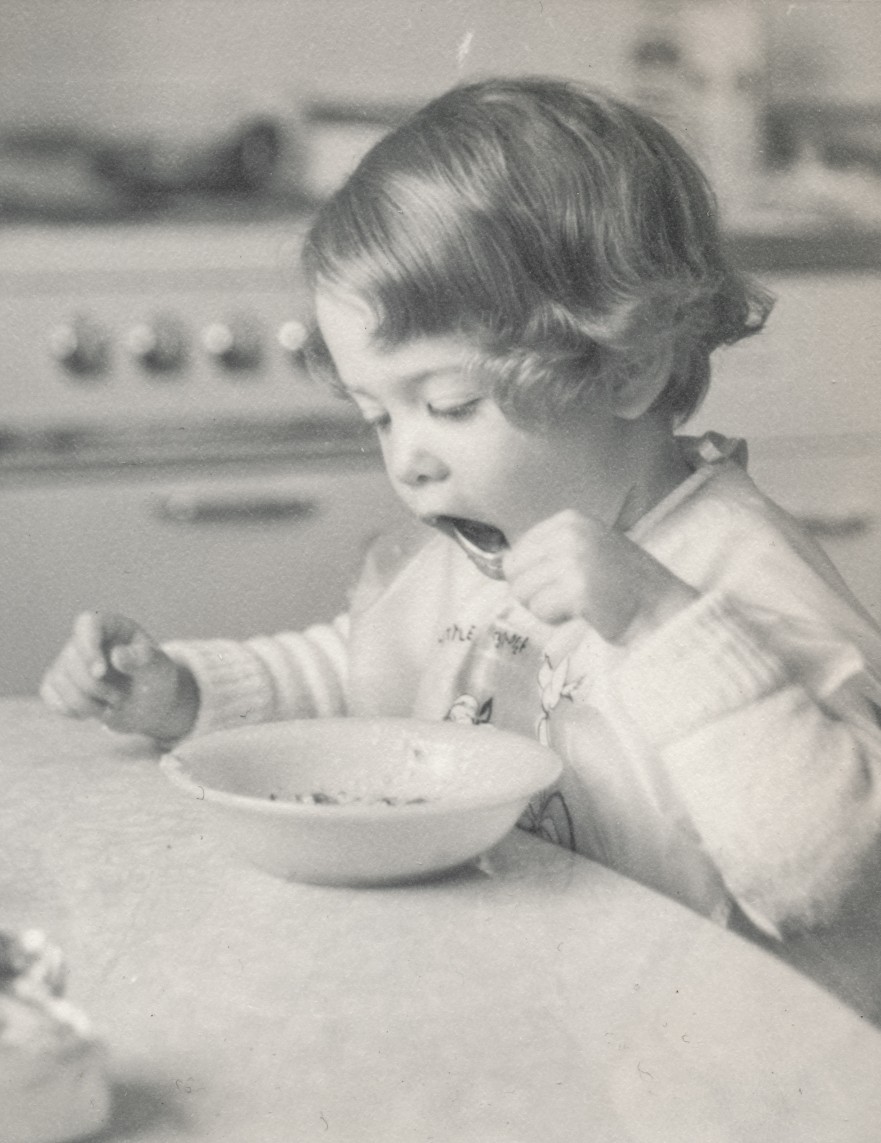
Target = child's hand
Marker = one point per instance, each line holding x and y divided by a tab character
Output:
572	565
111	669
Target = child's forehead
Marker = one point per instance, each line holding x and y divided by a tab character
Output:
348	327
339	310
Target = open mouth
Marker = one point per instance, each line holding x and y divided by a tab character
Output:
484	544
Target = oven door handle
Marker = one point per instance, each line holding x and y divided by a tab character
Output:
239	509
835	525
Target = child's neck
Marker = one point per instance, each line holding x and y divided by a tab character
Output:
657	467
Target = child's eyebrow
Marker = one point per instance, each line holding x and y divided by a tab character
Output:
411	380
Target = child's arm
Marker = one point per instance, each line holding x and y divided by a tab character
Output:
781	777
781	783
284	676
111	669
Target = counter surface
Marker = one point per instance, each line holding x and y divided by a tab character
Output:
533	997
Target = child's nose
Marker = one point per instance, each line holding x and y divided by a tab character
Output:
412	461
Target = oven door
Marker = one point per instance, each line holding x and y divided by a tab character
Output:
234	551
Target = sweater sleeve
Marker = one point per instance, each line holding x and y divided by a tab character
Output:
289	675
778	766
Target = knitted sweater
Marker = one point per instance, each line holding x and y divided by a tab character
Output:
731	756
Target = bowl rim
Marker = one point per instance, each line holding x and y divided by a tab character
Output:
175	768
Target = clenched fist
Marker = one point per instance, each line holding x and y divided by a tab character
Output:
572	566
112	670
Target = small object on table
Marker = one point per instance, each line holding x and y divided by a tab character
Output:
53	1085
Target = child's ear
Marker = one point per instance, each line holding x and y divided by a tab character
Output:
630	397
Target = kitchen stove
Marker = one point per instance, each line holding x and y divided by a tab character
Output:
135	323
162	450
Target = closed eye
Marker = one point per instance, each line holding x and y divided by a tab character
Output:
460	412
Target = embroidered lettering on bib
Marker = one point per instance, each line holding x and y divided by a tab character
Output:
456	634
505	640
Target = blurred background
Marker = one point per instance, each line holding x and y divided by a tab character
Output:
161	450
110	107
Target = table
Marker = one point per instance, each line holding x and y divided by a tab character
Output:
534	997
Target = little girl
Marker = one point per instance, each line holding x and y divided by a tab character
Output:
520	288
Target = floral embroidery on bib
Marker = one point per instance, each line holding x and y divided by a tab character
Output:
548	817
552	686
467	708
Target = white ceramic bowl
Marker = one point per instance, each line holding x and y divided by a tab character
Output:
472	783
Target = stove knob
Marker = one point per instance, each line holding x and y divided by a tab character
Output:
234	344
158	346
292	336
81	346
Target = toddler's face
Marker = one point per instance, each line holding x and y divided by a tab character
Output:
448	448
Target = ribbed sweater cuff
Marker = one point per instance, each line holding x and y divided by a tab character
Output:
232	682
701	665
